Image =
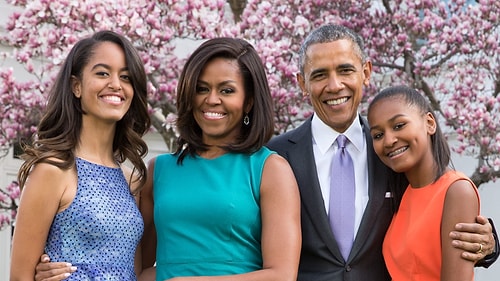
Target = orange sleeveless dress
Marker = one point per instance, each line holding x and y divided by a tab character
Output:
412	244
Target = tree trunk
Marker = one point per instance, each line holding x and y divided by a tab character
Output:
237	7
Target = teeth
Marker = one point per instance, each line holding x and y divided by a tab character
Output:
398	151
337	101
214	115
112	98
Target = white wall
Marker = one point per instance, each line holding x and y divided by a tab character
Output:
8	173
490	195
8	166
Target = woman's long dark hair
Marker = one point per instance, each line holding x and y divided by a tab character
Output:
261	126
59	130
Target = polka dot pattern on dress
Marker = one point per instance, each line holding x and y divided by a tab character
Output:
100	230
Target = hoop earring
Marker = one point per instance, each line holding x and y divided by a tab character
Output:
246	120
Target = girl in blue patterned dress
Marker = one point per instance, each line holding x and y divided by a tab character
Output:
77	201
225	207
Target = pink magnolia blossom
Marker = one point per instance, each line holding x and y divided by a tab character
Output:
449	50
9	200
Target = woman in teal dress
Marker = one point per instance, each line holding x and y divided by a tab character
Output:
225	207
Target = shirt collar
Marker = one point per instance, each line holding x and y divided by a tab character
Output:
324	136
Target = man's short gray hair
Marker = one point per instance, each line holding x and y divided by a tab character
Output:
329	33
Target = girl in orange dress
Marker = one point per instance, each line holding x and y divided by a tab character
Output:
407	138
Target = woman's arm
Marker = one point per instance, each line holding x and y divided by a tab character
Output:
146	205
461	205
281	232
41	199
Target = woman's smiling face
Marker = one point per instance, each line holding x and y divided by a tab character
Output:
219	103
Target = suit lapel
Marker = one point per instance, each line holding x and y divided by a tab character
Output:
377	187
301	156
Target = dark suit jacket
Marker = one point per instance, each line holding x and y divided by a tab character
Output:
321	259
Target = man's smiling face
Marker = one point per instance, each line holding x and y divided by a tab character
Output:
334	76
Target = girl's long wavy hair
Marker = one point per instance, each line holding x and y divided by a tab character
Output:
60	127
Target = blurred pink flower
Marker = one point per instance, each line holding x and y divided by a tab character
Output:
9	199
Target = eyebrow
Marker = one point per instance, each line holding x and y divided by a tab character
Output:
346	65
319	70
390	119
107	67
342	66
225	82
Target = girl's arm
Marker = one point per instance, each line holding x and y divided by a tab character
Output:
461	205
281	232
42	198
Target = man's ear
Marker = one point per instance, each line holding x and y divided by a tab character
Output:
76	86
367	72
302	84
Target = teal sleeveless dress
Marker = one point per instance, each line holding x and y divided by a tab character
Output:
99	232
207	214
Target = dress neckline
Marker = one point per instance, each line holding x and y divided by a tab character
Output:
97	164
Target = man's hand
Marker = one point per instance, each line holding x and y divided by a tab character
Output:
476	239
52	271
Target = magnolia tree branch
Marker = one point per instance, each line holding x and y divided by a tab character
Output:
449	50
479	177
237	7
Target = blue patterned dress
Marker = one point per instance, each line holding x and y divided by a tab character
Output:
100	230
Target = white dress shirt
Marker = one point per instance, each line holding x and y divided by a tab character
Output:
324	148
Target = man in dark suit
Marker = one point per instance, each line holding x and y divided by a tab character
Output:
333	70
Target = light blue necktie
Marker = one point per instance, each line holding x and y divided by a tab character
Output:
342	192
